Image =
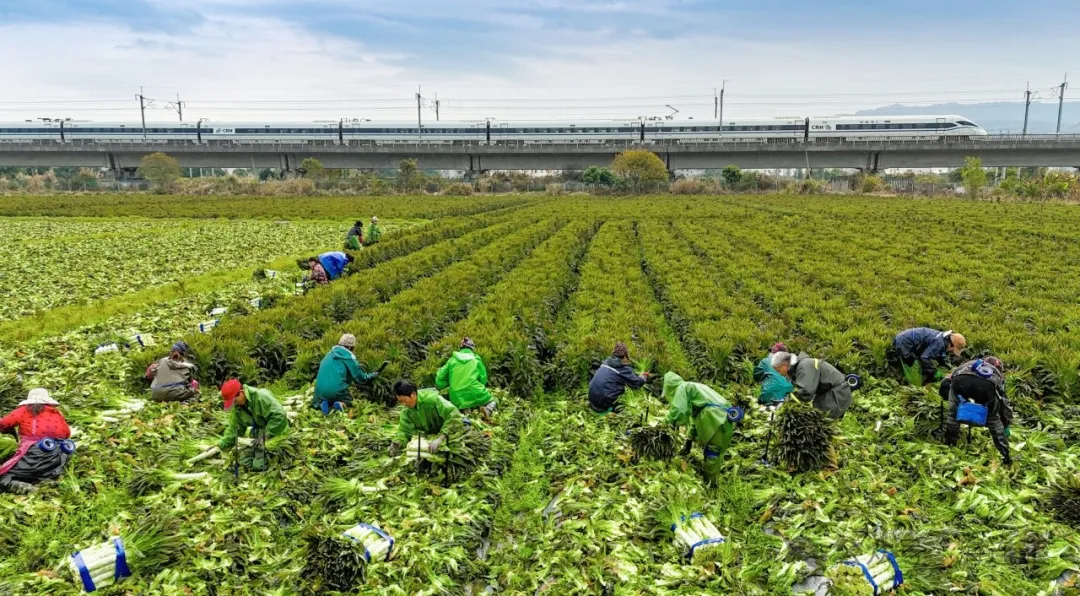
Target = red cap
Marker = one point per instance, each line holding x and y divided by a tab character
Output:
229	391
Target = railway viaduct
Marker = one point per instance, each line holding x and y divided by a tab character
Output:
866	155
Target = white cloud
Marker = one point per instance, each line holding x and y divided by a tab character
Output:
529	63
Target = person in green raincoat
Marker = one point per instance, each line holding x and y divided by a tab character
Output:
337	372
374	232
774	386
425	412
705	412
254	409
466	377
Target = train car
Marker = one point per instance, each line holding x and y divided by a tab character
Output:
748	130
599	131
894	127
30	131
119	131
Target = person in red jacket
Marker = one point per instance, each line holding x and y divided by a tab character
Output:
44	445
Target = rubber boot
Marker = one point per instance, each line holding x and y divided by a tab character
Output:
21	488
339	407
325	407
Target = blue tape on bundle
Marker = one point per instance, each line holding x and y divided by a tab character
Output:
67	446
46	445
84	573
122	570
383	535
865	572
367	555
898	576
706	542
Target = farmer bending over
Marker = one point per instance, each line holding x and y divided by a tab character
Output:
43	448
254	409
928	347
816	380
374	232
173	377
425	412
354	239
705	412
774	386
317	273
337	371
611	380
466	377
981	381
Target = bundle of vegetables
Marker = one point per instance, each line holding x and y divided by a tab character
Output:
8	445
805	437
868	575
656	442
456	458
333	562
1064	501
697	538
376	543
121	408
100	565
146	481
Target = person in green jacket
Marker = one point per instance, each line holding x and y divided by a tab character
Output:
425	412
705	412
337	371
374	232
254	409
774	386
466	377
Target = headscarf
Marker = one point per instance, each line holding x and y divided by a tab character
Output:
468	343
620	350
347	340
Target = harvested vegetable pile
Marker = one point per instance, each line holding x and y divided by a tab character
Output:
547	497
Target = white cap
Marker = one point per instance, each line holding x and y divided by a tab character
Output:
39	396
374	218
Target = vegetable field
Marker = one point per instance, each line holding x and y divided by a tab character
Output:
560	502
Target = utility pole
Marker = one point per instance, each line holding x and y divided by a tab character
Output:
179	107
715	103
419	123
1027	107
436	107
142	111
720	129
1061	101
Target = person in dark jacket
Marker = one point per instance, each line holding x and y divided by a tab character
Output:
928	347
817	381
981	381
337	372
612	379
44	448
173	377
354	239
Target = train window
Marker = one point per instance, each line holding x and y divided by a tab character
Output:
966	123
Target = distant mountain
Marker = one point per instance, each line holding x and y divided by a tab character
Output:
1000	117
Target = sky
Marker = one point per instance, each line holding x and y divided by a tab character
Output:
536	60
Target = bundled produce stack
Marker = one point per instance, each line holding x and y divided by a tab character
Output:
100	565
697	537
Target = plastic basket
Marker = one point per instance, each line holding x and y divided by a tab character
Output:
363	534
100	565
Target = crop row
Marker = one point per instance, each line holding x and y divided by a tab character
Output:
514	323
614	302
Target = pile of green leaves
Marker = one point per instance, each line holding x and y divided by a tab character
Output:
804	437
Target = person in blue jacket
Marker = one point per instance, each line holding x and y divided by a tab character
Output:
928	347
334	263
774	386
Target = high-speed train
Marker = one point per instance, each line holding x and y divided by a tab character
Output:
847	127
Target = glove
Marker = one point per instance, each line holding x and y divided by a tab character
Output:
1008	432
489	409
373	375
687	447
434	445
194	385
395	449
